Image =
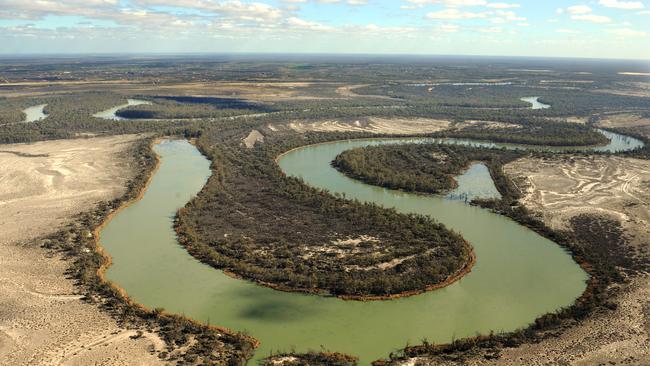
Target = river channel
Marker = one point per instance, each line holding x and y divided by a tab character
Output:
519	275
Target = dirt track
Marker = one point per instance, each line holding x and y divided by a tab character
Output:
42	320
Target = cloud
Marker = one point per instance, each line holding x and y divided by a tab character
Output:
450	3
454	14
593	18
583	13
234	8
630	5
578	9
459	4
448	28
502	5
568	31
626	32
505	16
298	23
491	30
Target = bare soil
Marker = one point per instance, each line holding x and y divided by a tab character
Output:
43	320
560	188
253	137
401	126
624	120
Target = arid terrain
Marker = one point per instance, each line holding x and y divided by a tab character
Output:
43	321
399	126
560	189
624	120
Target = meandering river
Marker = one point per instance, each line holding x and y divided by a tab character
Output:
110	113
535	103
519	274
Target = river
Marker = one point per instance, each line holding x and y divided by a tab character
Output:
110	113
34	113
535	103
519	275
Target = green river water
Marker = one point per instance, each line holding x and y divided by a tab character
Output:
519	275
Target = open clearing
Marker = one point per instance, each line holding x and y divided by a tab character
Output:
43	321
560	188
624	120
400	126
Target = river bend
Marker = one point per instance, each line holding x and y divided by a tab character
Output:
518	277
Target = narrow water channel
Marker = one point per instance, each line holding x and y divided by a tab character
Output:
34	113
535	103
110	113
519	275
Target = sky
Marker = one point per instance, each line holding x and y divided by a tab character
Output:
546	28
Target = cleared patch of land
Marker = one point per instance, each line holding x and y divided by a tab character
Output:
558	189
629	88
400	126
624	120
634	73
253	137
43	321
489	125
347	91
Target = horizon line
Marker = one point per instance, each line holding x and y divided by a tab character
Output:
262	53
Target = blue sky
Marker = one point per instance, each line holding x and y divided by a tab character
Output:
560	28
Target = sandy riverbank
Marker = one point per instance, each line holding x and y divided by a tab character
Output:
42	319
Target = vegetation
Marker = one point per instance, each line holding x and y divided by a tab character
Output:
425	168
532	131
310	359
343	247
10	112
